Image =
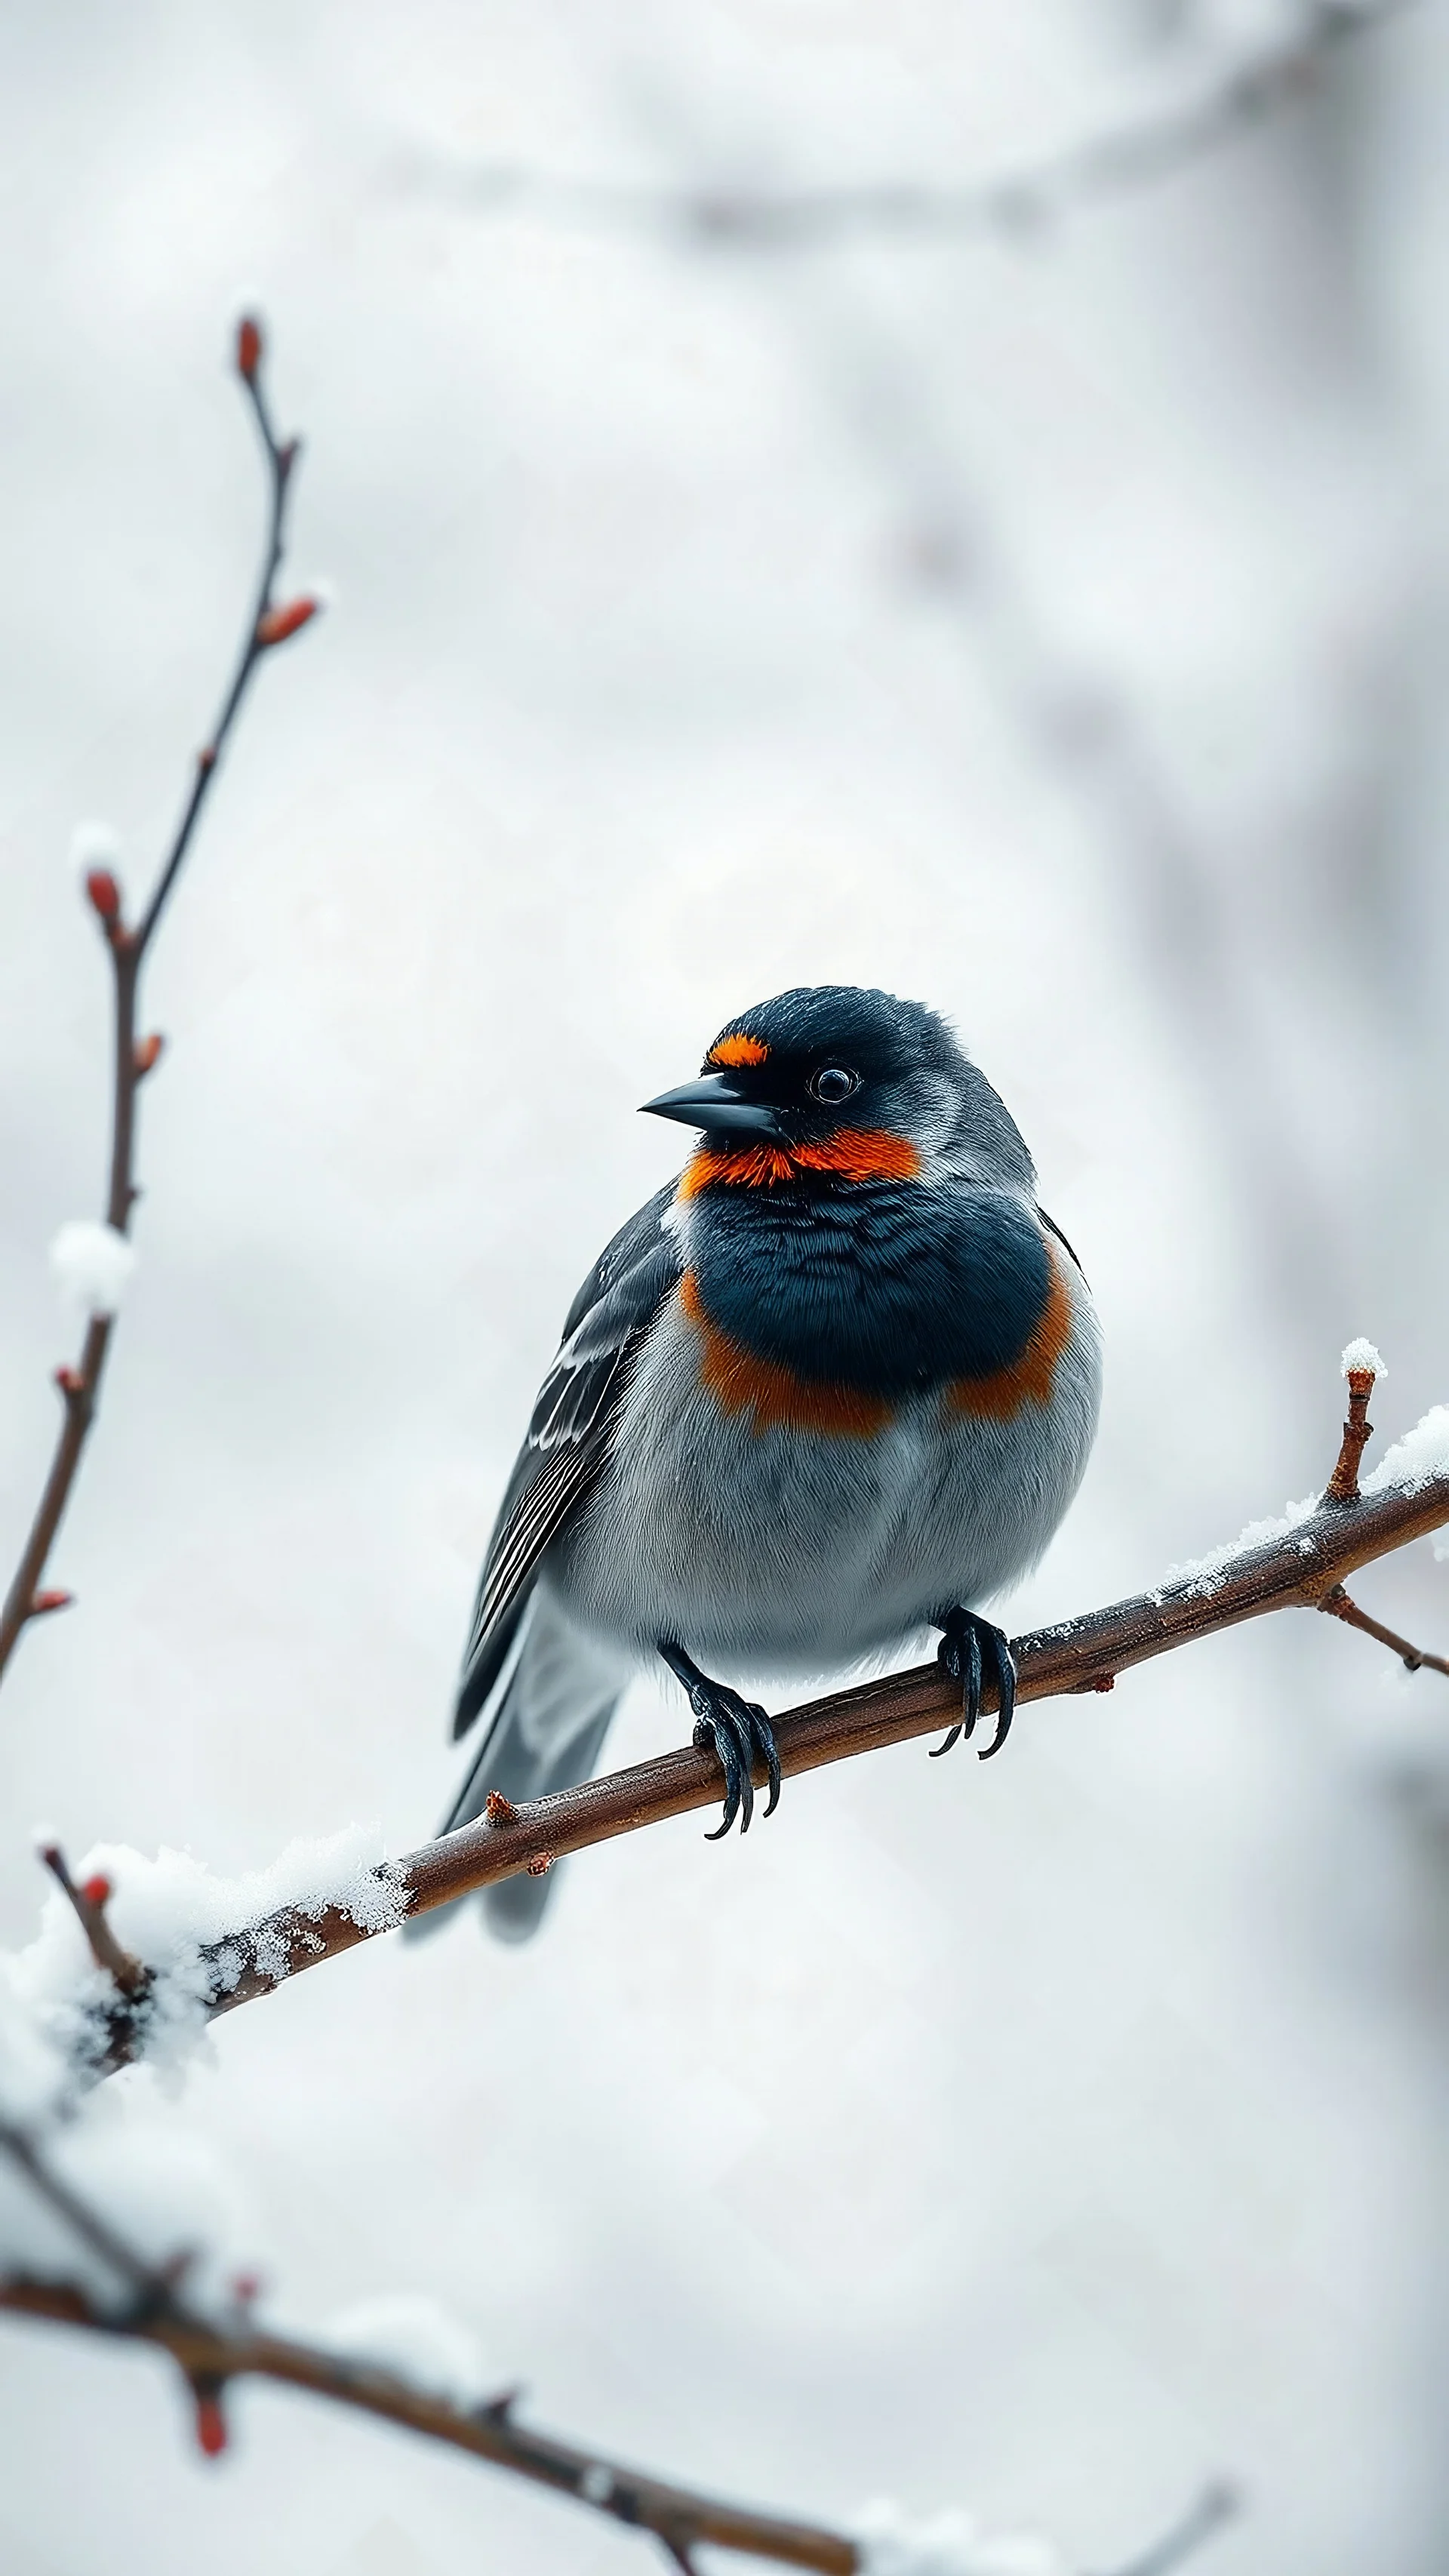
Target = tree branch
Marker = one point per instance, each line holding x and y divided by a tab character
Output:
1302	1565
210	2353
1232	93
133	1060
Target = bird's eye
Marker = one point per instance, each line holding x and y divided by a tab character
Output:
831	1085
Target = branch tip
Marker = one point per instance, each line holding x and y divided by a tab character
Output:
103	894
249	346
211	2434
1342	1486
497	2410
88	1903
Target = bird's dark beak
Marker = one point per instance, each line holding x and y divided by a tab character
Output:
716	1100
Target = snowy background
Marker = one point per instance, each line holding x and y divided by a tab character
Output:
1053	627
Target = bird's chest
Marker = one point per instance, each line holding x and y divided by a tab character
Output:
866	1295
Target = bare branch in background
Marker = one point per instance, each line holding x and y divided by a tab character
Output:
135	1057
1218	2504
1301	1565
153	2309
1224	95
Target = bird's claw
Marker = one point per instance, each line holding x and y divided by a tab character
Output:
966	1641
742	1735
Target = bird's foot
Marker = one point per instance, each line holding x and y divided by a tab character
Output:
969	1647
740	1732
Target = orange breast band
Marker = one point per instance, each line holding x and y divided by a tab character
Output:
772	1395
1028	1380
856	1154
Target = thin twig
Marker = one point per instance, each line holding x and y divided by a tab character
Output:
133	1060
1226	97
93	2230
1218	2504
89	1903
1342	1486
1339	1606
1300	1569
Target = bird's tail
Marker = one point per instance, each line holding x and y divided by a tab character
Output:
542	1729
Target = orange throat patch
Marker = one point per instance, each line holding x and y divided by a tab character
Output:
856	1154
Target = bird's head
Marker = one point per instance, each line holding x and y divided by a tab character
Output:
837	1080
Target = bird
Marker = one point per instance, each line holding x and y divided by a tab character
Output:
827	1392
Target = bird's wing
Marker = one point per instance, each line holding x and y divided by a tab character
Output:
568	1437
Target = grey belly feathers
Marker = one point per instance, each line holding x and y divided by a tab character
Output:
782	1550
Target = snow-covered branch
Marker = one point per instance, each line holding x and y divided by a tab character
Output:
93	1261
206	1945
1218	91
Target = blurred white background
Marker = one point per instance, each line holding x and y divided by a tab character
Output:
1050	626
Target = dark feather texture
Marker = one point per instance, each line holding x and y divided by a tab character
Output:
568	1437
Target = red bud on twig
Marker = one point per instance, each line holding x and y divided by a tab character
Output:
278	623
540	1867
42	1603
98	1889
70	1381
148	1051
210	2423
500	1810
104	893
248	347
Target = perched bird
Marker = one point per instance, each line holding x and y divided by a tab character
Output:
831	1388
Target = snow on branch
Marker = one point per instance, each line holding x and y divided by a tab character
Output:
204	1945
1220	91
408	2363
92	1262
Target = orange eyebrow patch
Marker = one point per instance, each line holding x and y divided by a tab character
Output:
1027	1380
773	1396
856	1154
739	1049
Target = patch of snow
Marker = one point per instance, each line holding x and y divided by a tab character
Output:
94	845
950	2544
1203	1575
196	1931
1362	1355
1416	1460
91	1265
418	2341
